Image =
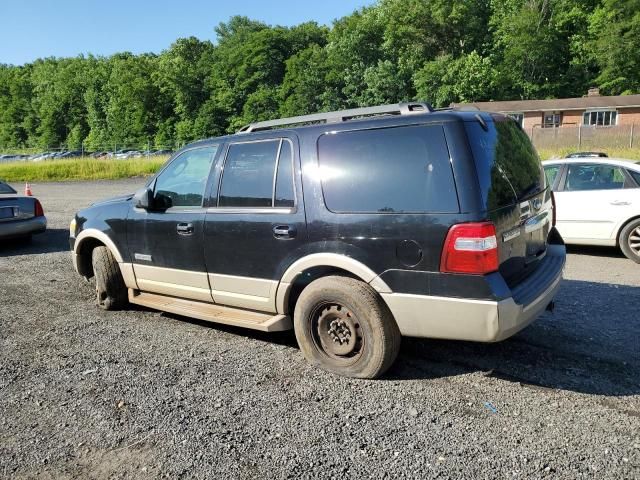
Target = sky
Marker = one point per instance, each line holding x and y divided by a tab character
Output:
31	29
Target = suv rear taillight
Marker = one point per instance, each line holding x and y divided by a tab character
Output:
553	206
470	248
38	211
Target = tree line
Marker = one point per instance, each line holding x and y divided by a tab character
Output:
441	51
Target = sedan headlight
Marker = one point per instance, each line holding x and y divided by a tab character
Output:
72	228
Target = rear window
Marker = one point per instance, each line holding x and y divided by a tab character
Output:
508	166
4	188
389	170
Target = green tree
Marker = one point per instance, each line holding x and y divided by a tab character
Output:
615	30
446	80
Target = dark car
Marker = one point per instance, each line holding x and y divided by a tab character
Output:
20	216
351	227
587	155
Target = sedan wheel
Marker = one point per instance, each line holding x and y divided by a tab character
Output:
630	240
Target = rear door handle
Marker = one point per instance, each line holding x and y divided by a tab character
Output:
185	228
619	203
284	231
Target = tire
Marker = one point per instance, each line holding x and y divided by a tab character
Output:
629	240
111	292
344	327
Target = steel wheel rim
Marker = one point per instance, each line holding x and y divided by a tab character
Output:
634	241
337	333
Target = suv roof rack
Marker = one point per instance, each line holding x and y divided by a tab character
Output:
404	108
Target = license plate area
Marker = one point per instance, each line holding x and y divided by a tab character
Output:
7	213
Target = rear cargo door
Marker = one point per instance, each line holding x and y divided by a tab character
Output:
515	194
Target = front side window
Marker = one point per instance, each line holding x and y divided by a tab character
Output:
600	118
551	171
388	170
258	174
182	183
582	177
551	120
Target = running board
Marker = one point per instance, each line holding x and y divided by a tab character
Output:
211	312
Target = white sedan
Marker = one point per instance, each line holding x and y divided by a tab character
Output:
597	201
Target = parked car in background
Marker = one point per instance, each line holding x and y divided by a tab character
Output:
402	228
162	152
587	154
20	216
598	201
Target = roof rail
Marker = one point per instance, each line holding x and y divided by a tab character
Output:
404	108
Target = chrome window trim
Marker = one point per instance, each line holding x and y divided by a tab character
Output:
259	210
275	175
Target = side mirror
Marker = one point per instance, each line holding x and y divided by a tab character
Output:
143	198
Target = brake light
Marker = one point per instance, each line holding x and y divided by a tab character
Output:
553	206
470	248
38	210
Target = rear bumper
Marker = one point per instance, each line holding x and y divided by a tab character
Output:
480	320
22	228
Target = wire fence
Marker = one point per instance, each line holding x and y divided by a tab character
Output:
585	137
115	152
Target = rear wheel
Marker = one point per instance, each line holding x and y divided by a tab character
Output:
630	240
343	326
111	292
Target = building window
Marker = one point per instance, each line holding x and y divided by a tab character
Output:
518	117
600	118
551	120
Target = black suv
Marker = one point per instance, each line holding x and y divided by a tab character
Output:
352	227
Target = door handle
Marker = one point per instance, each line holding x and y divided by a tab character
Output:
284	231
185	228
619	203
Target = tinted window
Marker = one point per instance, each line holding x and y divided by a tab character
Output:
551	172
284	178
4	188
635	175
182	183
247	180
594	177
508	166
402	169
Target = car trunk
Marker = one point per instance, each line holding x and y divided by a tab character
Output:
14	207
516	198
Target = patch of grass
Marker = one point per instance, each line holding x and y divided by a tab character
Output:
79	169
630	153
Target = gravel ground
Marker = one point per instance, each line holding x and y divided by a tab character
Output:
91	394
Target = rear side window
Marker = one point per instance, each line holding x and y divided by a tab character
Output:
390	170
258	174
508	166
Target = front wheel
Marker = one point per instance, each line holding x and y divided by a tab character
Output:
630	240
343	326
111	291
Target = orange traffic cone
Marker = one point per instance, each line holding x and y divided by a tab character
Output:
27	190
